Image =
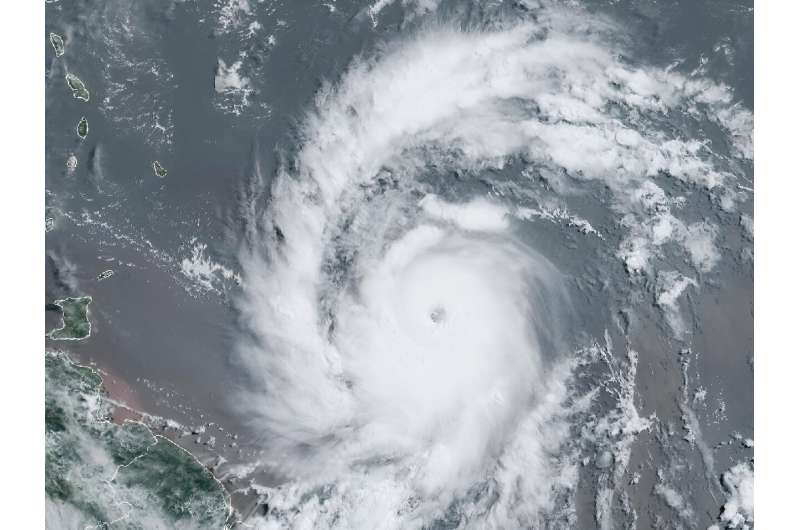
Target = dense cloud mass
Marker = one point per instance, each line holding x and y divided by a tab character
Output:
400	263
412	353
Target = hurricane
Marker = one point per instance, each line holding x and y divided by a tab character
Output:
417	342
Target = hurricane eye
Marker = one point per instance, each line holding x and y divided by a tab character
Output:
438	315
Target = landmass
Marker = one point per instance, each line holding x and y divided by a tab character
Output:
75	316
83	128
79	90
159	170
57	43
101	474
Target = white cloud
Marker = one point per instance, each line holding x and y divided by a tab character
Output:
738	510
228	79
206	274
476	215
671	285
396	341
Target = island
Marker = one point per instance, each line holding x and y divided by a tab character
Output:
83	128
57	43
79	90
75	319
159	170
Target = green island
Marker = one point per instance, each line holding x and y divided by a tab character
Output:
101	474
57	43
75	315
159	170
79	90
83	128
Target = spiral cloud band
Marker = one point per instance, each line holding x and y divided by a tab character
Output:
404	336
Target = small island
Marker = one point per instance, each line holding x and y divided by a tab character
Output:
57	43
79	90
159	170
75	319
83	128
